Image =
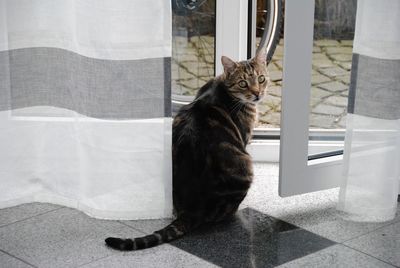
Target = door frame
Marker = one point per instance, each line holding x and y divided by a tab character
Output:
231	31
297	174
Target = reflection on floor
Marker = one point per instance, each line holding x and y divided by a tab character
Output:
268	231
252	239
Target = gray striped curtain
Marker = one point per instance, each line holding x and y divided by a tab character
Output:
85	106
370	183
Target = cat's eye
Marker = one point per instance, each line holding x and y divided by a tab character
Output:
261	79
242	84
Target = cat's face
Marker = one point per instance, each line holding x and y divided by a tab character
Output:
247	80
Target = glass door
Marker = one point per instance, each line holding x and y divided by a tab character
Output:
203	31
193	47
316	76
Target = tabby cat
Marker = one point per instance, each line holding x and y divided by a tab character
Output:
212	170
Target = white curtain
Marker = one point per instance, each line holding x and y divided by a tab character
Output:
370	186
85	115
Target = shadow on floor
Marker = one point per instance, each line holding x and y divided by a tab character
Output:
252	239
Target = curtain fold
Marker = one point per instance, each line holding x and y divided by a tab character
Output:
85	106
370	185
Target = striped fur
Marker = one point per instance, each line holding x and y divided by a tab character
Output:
212	170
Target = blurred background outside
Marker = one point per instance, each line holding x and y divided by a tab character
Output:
194	50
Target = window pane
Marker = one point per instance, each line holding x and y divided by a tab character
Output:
193	43
269	110
334	24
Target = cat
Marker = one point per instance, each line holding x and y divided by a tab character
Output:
212	170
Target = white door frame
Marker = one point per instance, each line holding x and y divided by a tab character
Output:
297	175
231	31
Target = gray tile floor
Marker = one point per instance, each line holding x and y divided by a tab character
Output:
269	231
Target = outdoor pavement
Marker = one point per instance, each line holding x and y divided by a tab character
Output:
331	63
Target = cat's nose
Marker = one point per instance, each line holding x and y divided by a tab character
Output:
256	96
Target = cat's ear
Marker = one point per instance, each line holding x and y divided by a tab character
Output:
229	65
261	56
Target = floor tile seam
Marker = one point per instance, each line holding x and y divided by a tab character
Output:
169	244
40	214
145	233
18	258
193	255
134	228
100	258
308	230
368	254
369	232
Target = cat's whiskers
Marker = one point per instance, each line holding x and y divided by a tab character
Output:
237	107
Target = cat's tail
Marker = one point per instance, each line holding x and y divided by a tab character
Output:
171	232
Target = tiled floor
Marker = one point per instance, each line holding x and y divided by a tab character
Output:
300	231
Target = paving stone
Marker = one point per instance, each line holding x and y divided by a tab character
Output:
320	121
317	96
180	41
204	79
278	51
189	58
337	101
183	51
322	63
278	57
263	108
273	102
319	56
346	42
318	79
279	63
339	50
204	65
204	72
342	122
326	43
344	78
176	89
188	92
341	57
345	65
273	119
190	83
209	58
344	93
275	75
333	71
334	86
328	109
274	91
273	67
181	74
316	49
315	101
275	84
319	93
